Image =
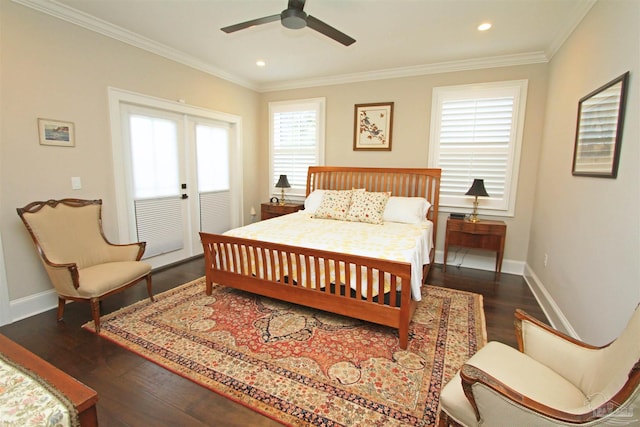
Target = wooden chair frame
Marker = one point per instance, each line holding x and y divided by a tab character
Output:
471	375
72	268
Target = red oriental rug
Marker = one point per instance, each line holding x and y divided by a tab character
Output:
301	366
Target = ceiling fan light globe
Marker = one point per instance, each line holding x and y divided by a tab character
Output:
293	19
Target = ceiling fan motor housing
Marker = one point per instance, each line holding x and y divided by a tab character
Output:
293	18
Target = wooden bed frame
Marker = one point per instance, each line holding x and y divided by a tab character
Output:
225	256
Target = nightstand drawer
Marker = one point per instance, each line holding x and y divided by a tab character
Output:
474	240
482	227
272	210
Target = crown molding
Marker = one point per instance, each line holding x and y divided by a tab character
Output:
418	70
581	10
74	16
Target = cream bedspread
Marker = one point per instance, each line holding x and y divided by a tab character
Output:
393	241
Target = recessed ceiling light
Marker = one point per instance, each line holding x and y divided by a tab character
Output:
484	26
260	63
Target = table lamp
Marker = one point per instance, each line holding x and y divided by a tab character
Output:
477	189
282	183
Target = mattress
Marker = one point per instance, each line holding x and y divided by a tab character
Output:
410	243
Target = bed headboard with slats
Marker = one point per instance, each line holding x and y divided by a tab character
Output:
407	182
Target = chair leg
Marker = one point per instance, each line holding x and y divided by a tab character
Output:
95	313
61	304
149	290
445	421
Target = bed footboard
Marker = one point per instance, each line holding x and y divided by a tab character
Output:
312	278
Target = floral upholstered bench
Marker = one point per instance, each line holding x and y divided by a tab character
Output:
35	393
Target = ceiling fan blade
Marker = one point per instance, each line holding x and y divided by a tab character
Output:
329	31
252	23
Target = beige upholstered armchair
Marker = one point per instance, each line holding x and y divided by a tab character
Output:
82	265
553	380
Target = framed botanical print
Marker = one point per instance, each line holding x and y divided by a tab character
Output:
373	126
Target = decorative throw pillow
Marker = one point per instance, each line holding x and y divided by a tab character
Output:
334	205
367	207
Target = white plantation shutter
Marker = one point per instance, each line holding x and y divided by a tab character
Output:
476	133
296	142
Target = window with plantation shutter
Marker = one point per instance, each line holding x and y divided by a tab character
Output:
296	134
476	132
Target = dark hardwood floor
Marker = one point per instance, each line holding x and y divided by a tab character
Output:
135	392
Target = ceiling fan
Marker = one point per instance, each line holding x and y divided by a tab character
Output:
294	17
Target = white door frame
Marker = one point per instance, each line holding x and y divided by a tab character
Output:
125	215
5	306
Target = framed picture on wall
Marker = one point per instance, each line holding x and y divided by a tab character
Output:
55	132
599	130
373	126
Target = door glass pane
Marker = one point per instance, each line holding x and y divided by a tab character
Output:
154	157
212	146
212	152
156	183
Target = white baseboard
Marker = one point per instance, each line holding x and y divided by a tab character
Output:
556	317
481	262
22	308
5	315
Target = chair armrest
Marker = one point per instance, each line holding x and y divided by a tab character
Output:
127	252
485	391
62	276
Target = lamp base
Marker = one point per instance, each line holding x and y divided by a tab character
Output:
474	218
281	202
474	215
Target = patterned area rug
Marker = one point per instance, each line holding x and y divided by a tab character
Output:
301	366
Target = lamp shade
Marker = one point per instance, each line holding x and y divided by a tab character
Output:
477	189
283	182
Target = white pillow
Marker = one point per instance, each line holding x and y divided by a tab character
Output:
312	201
410	210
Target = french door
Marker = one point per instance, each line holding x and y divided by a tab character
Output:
178	180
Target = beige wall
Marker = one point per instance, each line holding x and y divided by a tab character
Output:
590	227
411	121
56	70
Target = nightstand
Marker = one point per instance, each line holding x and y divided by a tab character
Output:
272	210
484	234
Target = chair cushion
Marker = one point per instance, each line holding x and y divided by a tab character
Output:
519	372
101	279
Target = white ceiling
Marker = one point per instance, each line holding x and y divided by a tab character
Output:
393	37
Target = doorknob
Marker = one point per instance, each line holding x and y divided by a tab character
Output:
185	196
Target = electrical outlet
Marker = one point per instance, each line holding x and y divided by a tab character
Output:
546	259
76	183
